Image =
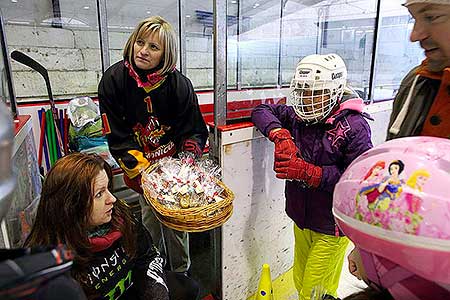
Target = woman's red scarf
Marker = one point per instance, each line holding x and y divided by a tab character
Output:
100	243
154	80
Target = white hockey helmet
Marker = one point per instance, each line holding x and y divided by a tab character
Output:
7	177
317	86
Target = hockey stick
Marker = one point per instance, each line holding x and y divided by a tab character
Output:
30	62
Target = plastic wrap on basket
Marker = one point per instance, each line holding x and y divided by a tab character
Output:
186	193
183	183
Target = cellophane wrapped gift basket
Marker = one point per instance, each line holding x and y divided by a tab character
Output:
186	194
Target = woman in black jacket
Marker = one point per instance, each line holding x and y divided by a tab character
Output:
114	255
150	111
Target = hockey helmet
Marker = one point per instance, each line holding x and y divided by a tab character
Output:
318	85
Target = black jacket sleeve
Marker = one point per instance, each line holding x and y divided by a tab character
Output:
148	269
122	145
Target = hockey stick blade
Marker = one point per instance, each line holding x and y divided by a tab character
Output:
30	62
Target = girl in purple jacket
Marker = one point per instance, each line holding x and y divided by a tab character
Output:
316	138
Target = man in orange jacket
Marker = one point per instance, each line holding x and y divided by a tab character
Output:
422	105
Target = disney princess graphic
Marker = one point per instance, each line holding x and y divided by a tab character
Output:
369	182
379	195
408	207
374	172
416	182
392	203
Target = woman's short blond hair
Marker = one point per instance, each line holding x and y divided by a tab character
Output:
167	37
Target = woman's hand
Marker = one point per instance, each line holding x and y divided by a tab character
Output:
193	147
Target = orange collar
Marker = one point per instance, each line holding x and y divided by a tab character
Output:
423	71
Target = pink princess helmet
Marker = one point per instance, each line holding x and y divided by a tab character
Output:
400	220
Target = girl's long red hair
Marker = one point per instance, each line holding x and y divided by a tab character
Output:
65	206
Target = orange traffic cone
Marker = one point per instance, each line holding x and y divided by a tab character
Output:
265	291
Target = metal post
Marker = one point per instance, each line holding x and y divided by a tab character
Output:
374	52
220	115
280	39
8	73
319	31
103	34
220	70
322	27
56	21
182	35
238	47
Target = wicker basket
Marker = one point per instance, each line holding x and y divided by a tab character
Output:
195	219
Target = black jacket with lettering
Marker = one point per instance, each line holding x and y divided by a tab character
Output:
144	124
111	274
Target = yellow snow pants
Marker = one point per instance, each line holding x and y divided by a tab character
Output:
318	260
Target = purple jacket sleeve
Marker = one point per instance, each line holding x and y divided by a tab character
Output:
269	116
359	141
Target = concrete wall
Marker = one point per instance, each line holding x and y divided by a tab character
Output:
72	56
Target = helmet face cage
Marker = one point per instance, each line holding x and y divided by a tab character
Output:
317	86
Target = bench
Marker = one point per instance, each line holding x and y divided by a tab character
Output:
238	110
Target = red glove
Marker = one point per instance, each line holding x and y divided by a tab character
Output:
298	169
192	146
134	184
284	143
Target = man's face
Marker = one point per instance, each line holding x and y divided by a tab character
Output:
432	30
